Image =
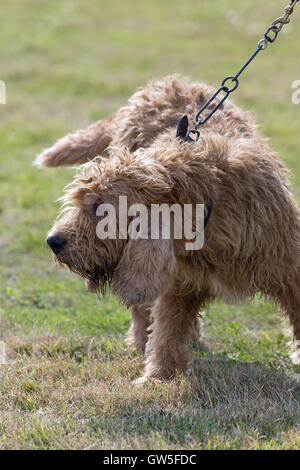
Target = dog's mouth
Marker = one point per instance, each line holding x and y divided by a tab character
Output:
91	286
97	278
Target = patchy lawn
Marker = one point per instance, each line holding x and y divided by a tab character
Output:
68	380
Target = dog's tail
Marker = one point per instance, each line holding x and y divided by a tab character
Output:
79	147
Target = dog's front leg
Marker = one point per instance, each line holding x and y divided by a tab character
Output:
173	329
137	335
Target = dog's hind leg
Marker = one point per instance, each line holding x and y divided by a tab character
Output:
141	320
78	147
291	305
289	300
173	330
197	328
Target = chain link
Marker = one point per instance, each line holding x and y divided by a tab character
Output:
269	37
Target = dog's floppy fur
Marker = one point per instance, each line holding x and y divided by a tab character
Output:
252	239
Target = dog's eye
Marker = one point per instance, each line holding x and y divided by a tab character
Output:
86	180
95	207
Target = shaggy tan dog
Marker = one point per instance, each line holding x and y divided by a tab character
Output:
252	239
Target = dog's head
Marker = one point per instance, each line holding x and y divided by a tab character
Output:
137	270
75	244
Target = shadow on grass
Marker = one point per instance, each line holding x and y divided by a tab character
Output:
223	403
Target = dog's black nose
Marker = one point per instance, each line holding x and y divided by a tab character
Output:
56	243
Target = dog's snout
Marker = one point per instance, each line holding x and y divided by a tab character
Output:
56	243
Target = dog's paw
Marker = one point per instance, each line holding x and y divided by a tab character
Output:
295	353
295	357
140	381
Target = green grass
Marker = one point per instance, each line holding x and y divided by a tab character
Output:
67	383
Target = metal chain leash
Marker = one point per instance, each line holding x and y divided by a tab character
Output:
269	37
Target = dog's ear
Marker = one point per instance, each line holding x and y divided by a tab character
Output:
182	128
144	271
208	208
79	147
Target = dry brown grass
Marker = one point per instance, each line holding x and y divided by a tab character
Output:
62	393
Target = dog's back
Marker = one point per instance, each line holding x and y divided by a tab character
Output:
149	112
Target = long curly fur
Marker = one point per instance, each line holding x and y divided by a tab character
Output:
252	240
